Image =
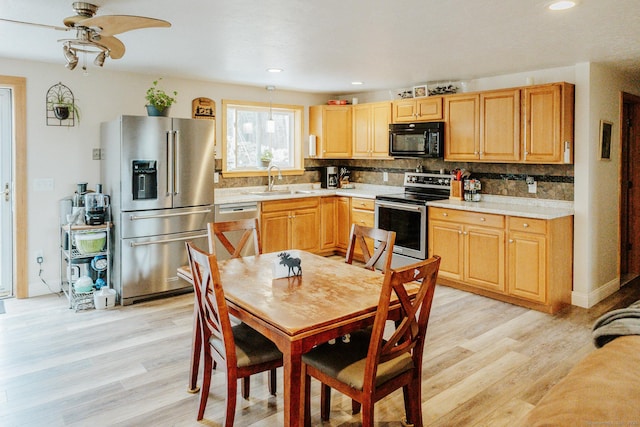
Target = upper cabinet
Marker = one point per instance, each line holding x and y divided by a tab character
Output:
417	109
371	130
462	127
521	125
331	124
548	123
500	126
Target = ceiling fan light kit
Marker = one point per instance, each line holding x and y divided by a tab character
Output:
95	34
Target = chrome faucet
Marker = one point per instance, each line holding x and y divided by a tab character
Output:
270	178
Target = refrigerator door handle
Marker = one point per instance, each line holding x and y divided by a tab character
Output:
169	215
170	170
176	162
159	242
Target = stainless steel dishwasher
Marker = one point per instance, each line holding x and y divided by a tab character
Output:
233	212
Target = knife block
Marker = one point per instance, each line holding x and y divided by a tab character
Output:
457	191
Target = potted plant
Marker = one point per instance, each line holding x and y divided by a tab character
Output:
63	107
158	101
266	157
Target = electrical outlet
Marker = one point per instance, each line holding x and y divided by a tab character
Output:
97	154
385	176
216	177
530	180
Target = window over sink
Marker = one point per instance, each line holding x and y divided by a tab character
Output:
250	142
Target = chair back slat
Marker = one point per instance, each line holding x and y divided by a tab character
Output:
358	238
410	329
251	230
212	306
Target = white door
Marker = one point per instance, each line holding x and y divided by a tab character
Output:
6	230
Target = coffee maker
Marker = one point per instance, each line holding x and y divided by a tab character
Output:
96	207
329	178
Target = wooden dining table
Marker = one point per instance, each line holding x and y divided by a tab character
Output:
330	299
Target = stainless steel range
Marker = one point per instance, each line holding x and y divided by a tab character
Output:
406	214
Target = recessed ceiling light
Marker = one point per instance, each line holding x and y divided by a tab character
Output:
357	83
562	5
274	70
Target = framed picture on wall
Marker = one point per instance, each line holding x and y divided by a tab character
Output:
420	91
605	139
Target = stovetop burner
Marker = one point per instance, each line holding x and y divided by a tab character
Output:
420	188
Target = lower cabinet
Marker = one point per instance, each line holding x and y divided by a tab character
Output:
524	261
362	213
471	246
343	222
290	224
328	224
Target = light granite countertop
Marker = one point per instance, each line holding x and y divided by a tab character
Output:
513	206
502	205
298	191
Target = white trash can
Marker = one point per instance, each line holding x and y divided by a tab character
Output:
104	298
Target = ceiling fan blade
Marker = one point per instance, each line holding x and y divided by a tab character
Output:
116	24
115	46
51	27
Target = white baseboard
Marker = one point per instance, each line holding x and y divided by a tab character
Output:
588	300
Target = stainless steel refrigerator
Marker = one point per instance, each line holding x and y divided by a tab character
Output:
159	174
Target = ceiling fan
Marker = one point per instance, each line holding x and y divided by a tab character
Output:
95	34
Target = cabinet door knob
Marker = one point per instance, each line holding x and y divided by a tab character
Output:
465	233
510	240
459	232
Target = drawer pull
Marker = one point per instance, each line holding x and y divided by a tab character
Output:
525	225
483	219
445	214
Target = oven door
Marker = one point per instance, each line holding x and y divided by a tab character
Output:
409	221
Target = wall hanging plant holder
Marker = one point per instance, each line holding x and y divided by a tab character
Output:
61	107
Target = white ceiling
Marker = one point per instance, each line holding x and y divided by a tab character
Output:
323	46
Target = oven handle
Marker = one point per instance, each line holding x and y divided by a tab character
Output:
400	206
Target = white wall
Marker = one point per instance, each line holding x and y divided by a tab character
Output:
64	153
597	186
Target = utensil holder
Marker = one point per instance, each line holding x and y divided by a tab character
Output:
457	192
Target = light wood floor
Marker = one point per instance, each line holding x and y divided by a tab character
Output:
486	363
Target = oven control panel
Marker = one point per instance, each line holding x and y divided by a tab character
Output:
427	180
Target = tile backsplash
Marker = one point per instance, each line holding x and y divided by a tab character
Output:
503	179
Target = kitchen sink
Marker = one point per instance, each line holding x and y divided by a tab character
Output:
270	193
279	192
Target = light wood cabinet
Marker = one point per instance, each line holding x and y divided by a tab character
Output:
540	260
471	246
531	124
533	268
362	213
548	123
332	126
417	110
290	224
500	126
462	127
371	130
343	222
328	223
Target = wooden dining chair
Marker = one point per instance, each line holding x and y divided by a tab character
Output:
219	230
358	238
241	350
370	367
250	229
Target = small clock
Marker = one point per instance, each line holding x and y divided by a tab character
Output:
99	263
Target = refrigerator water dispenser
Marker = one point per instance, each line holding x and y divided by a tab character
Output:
145	180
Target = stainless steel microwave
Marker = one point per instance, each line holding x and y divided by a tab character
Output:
416	139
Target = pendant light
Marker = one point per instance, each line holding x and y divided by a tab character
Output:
271	124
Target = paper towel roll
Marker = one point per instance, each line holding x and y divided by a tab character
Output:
312	145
